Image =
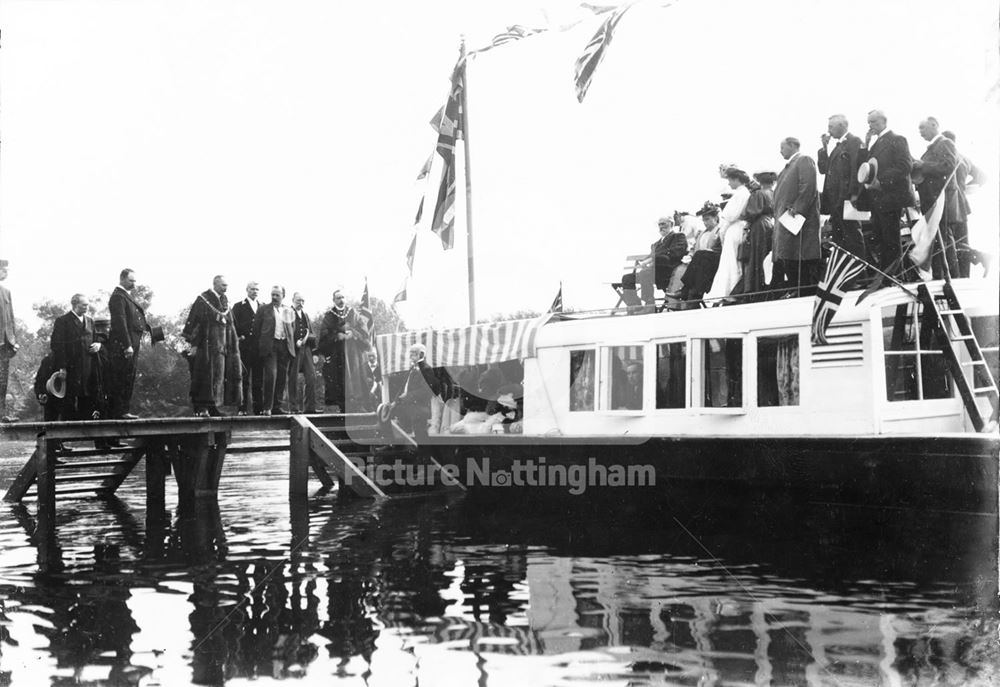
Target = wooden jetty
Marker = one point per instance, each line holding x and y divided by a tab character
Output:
194	450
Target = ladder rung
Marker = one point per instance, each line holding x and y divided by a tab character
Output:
952	312
973	362
963	337
86	477
985	390
75	464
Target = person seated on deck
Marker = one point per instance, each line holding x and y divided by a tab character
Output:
664	257
705	259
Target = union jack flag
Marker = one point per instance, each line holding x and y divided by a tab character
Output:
449	132
840	270
557	302
592	55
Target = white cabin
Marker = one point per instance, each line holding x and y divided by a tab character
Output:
739	370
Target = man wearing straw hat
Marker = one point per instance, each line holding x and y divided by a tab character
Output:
8	343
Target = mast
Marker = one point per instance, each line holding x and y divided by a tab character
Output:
464	114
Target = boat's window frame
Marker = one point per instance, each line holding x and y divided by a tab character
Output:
804	351
603	398
654	345
696	379
913	315
595	349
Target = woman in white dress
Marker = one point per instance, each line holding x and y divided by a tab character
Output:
731	234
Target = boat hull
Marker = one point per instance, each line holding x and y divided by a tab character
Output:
958	473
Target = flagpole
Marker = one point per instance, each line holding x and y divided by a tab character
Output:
884	274
468	186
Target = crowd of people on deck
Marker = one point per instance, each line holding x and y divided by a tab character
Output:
764	237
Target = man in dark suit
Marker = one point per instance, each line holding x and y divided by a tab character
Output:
303	363
8	343
796	255
253	373
838	160
73	349
128	323
889	194
664	257
413	406
272	325
968	177
935	175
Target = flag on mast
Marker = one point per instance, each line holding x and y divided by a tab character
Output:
557	302
366	312
449	128
401	294
840	270
926	230
592	55
411	252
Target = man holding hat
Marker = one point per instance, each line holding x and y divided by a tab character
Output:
73	352
886	185
8	343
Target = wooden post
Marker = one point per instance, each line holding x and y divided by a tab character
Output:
45	527
221	442
156	477
298	464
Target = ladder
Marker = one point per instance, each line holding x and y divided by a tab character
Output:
86	472
953	324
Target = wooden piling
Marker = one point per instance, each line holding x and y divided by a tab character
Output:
45	519
298	464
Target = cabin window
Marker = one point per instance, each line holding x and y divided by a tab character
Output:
915	367
985	329
778	370
582	379
722	373
671	375
625	375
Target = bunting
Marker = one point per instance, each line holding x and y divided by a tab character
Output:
592	55
449	127
411	252
426	169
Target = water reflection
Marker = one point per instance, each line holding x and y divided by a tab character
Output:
693	586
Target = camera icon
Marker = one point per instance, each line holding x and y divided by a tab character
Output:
501	478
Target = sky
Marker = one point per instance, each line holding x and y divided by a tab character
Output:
280	141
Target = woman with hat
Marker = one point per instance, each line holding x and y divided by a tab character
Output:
731	234
701	270
759	216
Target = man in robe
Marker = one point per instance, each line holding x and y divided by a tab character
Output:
796	255
343	341
8	342
838	160
73	350
935	178
889	193
214	355
128	324
253	373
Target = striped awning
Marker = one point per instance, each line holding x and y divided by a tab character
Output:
479	344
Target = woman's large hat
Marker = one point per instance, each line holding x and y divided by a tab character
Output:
56	384
868	171
709	208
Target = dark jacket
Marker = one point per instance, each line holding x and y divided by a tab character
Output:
243	319
263	329
894	165
796	189
840	169
128	320
936	165
303	329
45	370
421	386
667	254
70	343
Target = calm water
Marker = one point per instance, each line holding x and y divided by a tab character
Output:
699	587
